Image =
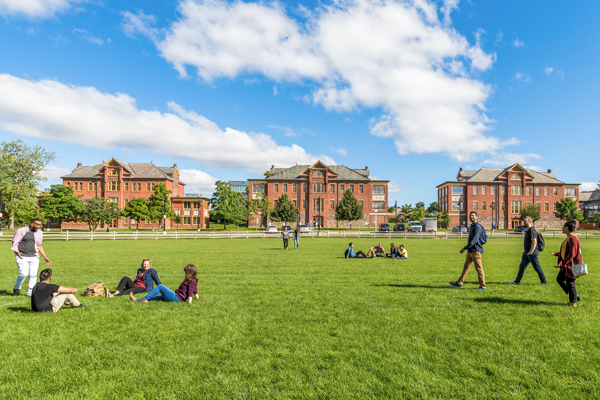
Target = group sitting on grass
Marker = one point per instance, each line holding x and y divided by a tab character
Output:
397	253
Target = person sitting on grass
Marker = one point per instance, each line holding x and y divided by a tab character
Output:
376	251
402	254
350	252
187	289
144	281
393	251
49	297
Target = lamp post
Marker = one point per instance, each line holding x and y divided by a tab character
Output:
492	206
319	222
165	215
1	211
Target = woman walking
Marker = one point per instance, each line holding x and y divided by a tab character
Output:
569	254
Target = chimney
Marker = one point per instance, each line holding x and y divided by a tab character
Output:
78	164
549	170
460	169
272	166
174	165
366	167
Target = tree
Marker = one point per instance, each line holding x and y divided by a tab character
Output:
348	208
262	203
178	219
62	203
21	169
407	211
567	209
392	210
420	205
97	210
530	210
159	204
444	218
228	205
284	210
432	209
138	210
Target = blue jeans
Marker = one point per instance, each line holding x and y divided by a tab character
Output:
163	293
535	262
296	242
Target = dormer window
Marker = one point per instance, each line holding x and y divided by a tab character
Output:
516	178
113	172
318	174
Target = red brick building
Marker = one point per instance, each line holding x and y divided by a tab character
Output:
316	190
499	194
119	182
589	204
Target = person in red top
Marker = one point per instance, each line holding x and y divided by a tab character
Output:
187	290
569	254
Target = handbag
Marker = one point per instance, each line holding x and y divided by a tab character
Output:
578	269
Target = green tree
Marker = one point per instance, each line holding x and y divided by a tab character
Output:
159	204
420	205
62	203
432	209
443	218
21	168
227	205
567	209
284	210
97	210
407	211
138	210
261	204
348	208
530	210
392	210
178	219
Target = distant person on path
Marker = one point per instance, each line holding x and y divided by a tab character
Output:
376	249
187	290
569	254
350	252
285	235
530	254
27	246
402	253
296	237
474	248
49	297
144	281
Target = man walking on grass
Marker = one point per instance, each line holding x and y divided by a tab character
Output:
27	246
530	254
474	248
50	297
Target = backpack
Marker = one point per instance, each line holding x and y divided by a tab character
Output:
541	244
483	238
95	289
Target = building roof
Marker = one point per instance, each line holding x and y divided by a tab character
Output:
491	175
137	170
590	196
343	173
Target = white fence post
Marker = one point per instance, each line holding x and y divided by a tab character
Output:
67	235
114	235
156	238
136	232
91	235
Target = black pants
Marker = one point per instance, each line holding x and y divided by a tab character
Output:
285	243
126	287
568	285
360	254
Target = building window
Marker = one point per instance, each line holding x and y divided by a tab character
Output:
79	186
127	186
304	188
493	205
474	189
516	206
293	188
515	177
554	191
196	221
294	201
378	205
150	186
483	206
136	187
187	205
113	186
332	204
502	206
318	187
378	189
275	187
92	186
457	190
457	206
546	207
318	174
304	204
352	187
318	205
113	200
546	191
528	191
474	206
501	190
258	187
361	203
570	192
493	190
515	190
186	220
537	191
342	188
360	188
285	188
539	206
483	190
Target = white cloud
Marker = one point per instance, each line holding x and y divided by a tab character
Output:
198	182
82	33
36	9
139	23
518	43
502	159
339	150
588	186
549	71
394	55
499	38
83	115
521	77
53	173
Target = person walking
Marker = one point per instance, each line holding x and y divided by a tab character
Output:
569	254
474	248
530	253
27	246
285	235
296	237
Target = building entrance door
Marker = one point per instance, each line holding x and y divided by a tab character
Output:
317	221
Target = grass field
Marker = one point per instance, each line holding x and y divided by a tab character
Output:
274	324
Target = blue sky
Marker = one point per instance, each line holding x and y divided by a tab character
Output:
412	89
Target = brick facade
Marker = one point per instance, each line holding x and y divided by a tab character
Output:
497	195
316	190
589	204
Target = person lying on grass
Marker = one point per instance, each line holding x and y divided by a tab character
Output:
187	289
144	281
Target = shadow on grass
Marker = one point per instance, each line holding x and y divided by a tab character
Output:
6	292
501	300
409	285
20	309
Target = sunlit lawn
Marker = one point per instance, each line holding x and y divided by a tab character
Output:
304	324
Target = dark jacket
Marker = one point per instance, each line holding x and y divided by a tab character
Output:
474	243
149	278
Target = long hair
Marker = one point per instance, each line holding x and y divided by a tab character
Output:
190	273
392	248
143	261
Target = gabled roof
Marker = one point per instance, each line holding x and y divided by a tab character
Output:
490	175
341	171
137	170
590	196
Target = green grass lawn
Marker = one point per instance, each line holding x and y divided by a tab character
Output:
304	324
